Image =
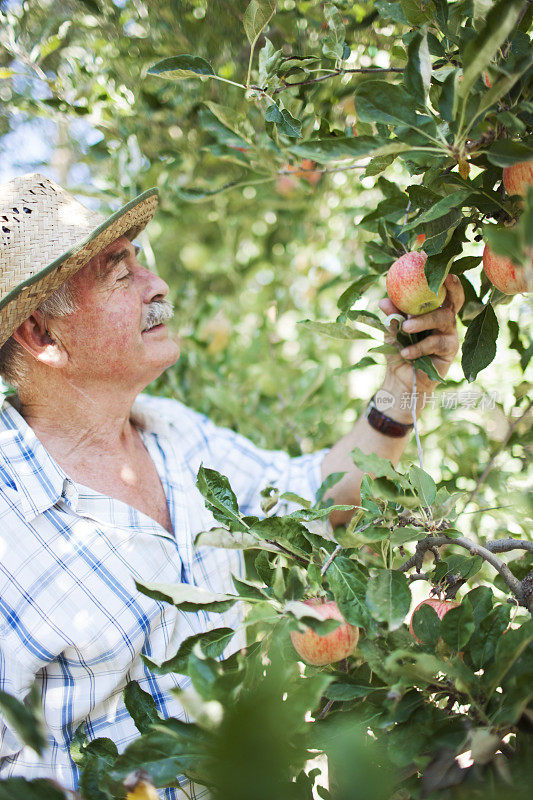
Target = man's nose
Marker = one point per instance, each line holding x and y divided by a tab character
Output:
156	287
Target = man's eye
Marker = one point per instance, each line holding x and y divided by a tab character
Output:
125	277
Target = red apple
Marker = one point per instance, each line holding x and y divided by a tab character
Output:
518	177
503	273
408	288
328	649
441	607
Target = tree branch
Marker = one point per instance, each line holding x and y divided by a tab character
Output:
486	553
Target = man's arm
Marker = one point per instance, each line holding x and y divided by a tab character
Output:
442	345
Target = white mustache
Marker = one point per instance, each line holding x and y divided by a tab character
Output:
159	311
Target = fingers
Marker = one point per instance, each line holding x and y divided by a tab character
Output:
439	344
455	295
388	307
442	319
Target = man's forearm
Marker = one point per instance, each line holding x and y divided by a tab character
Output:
369	440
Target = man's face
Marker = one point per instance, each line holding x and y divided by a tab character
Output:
106	339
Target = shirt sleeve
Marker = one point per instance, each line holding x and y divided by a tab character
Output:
249	468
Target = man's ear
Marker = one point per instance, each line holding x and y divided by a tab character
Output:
34	337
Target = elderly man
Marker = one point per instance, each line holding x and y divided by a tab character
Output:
97	481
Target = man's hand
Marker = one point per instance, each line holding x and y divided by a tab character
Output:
442	344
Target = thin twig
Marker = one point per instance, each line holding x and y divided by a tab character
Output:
331	559
496	453
333	74
325	709
413	411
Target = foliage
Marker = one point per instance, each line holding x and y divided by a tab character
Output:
389	105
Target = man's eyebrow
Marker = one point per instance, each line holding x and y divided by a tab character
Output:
114	258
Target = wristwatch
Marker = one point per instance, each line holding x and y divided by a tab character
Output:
385	425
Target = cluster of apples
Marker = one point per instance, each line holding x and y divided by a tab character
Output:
501	271
408	288
341	643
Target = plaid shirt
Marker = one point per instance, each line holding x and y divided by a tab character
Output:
71	618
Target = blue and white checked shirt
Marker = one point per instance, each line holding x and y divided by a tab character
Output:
71	618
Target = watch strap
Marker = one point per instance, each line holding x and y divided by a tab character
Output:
385	425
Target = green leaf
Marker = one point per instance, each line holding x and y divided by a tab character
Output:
348	583
417	75
334	330
354	291
26	718
417	13
439	209
249	590
179	67
170	749
391	10
98	757
487	633
327	483
141	706
347	691
212	643
219	497
457	626
509	649
256	17
439	231
426	626
269	60
378	465
403	535
506	153
388	597
287	124
333	44
423	484
479	345
231	540
22	789
379	101
287	530
338	147
502	86
479	52
187	596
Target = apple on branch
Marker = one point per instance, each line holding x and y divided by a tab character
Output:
333	646
518	177
440	606
408	288
503	273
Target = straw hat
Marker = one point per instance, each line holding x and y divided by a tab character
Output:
46	236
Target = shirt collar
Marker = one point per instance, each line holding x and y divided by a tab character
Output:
40	481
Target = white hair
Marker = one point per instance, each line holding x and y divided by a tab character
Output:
13	359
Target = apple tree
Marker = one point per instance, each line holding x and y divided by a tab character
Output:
301	148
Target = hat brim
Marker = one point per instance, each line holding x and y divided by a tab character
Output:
128	221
